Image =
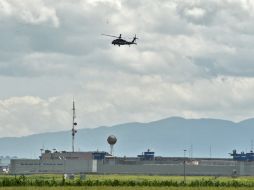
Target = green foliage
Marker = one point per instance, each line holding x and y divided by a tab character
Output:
121	188
125	181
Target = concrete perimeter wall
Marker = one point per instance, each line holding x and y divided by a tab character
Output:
167	170
33	166
203	167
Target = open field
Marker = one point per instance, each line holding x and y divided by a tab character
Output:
58	177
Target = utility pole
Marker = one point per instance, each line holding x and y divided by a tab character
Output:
210	151
74	123
184	164
251	145
191	151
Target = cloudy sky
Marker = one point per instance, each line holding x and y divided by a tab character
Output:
194	59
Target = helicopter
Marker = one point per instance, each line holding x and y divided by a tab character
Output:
119	41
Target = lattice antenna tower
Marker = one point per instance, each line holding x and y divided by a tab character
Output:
74	123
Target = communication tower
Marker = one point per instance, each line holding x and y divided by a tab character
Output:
74	123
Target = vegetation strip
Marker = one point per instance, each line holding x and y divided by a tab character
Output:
25	181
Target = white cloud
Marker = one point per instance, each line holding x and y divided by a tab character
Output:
196	12
29	115
140	98
193	58
29	11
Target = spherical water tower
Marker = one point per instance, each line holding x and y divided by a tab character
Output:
111	141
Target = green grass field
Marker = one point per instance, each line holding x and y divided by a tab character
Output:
135	177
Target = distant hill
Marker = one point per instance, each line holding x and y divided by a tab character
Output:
167	137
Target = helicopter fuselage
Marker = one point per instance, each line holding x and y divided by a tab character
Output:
120	42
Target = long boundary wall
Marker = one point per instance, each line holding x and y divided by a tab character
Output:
32	166
167	170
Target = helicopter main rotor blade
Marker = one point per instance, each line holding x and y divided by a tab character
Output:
110	35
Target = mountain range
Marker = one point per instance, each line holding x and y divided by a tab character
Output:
166	137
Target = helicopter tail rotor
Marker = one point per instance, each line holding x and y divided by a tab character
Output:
134	39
